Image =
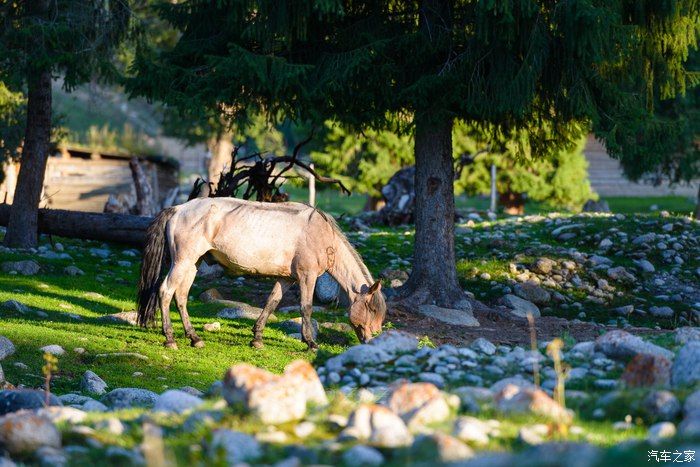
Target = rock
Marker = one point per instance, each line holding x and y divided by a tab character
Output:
645	238
239	310
686	367
596	206
7	348
327	289
441	448
202	418
50	456
212	327
360	356
625	310
449	315
622	345
272	398
207	271
26	432
683	335
13	400
566	453
533	434
124	398
564	228
514	399
100	252
124	317
646	371
543	265
210	295
471	430
111	425
418	404
484	346
661	311
661	405
93	384
362	456
644	265
53	349
518	381
73	271
432	378
236	447
660	431
176	401
25	267
14	305
586	348
59	414
304	429
377	425
692	403
395	342
532	293
520	307
690	426
619	273
293	325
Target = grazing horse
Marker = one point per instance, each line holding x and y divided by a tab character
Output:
292	242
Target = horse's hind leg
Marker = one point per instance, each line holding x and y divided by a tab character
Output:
181	294
165	295
306	289
278	290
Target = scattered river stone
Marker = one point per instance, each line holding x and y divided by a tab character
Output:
15	306
532	293
418	404
25	268
362	456
93	384
124	317
449	315
237	447
686	367
53	349
515	399
647	370
686	334
471	430
394	342
377	425
239	310
13	400
484	346
26	432
620	344
440	447
123	398
73	271
520	307
660	431
176	401
7	348
662	405
327	289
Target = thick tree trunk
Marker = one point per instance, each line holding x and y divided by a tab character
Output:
122	228
145	200
22	226
434	275
221	149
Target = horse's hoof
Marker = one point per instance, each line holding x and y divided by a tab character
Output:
170	345
312	347
198	344
257	344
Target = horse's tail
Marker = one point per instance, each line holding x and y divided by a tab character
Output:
151	266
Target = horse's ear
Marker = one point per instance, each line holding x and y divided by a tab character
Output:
377	286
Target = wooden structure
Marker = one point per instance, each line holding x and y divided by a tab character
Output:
79	179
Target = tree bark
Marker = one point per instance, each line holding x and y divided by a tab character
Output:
122	228
22	225
433	279
221	149
145	200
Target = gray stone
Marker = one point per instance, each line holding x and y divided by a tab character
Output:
25	432
236	447
176	401
13	400
7	348
395	342
53	349
124	317
690	426
293	325
471	430
440	448
362	456
327	289
14	305
93	384
123	398
662	405
483	345
48	456
520	307
377	425
73	271
661	311
644	265
532	293
692	403
685	334
620	344
212	327
239	310
619	273
359	355
58	414
449	315
543	265
660	431
100	252
25	267
686	366
533	434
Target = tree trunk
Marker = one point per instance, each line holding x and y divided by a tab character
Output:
145	200
434	275
697	205
22	225
122	228
221	149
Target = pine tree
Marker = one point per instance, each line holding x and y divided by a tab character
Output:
38	39
537	63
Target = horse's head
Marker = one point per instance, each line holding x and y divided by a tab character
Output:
367	312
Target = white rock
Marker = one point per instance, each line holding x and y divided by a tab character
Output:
53	349
176	401
237	447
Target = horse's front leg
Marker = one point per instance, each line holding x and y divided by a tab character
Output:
181	294
278	290
306	289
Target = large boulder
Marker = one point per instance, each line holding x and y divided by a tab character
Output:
26	432
274	398
13	400
686	367
622	345
647	370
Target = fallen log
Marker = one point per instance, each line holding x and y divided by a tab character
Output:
110	227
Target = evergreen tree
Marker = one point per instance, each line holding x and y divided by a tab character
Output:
38	39
537	63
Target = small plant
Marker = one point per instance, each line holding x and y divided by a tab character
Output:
554	351
389	325
533	347
425	342
49	368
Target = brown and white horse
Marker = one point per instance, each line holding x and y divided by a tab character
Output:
292	242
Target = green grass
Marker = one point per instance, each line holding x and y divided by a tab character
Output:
631	205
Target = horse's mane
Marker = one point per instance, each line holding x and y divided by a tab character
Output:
339	232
